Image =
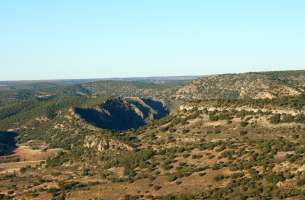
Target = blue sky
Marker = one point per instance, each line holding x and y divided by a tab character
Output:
97	38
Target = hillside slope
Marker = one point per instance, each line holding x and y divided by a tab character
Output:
260	85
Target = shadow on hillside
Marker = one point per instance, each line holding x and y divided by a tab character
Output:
7	142
117	121
156	105
122	114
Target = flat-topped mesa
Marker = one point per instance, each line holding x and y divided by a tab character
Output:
120	114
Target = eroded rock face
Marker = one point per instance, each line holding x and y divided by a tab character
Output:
120	114
103	144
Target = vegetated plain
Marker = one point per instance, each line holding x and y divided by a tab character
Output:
232	136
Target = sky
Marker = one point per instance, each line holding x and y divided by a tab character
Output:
71	39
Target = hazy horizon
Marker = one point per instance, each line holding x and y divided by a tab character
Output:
144	77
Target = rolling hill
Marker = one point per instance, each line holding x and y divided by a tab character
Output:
256	85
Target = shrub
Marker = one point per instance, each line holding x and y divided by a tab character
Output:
301	180
243	132
157	187
213	117
172	177
275	119
244	123
219	177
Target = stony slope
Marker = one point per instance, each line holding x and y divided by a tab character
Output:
259	85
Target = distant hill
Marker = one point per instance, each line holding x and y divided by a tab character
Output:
141	86
258	85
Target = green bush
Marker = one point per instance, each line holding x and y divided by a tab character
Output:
275	119
219	177
244	123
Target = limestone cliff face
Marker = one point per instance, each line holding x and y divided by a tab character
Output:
123	113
